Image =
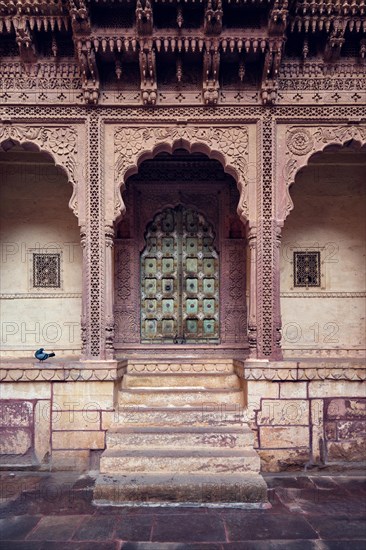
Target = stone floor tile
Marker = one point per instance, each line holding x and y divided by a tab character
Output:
134	528
95	528
17	527
261	526
343	545
169	546
353	485
321	501
325	482
271	545
52	545
55	528
188	528
301	482
338	529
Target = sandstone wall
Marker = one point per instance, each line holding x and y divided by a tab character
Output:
307	413
35	218
302	414
329	203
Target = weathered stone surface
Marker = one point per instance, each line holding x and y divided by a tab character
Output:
339	388
83	396
284	412
277	460
293	390
283	437
23	390
346	408
16	413
179	398
330	430
76	420
15	441
219	415
160	488
155	461
78	440
226	438
347	451
42	431
352	430
194	381
317	429
77	461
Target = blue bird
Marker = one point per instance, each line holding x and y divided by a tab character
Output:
41	355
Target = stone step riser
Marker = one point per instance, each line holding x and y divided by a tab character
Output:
139	416
194	381
177	488
206	440
195	465
211	368
179	398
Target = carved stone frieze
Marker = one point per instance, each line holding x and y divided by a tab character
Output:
229	144
60	142
301	143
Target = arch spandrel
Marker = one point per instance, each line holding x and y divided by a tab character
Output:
59	142
301	143
228	145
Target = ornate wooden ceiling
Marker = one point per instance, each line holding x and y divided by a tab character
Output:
202	46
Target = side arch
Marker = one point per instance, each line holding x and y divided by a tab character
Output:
302	142
227	145
59	143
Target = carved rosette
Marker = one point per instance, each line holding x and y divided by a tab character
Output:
60	142
230	145
302	142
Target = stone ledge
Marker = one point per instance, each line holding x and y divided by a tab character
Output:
309	370
63	371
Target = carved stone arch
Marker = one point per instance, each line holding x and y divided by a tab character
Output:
302	142
228	145
60	143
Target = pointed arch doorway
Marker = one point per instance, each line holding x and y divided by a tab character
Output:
180	261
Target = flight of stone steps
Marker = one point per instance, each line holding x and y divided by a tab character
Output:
179	437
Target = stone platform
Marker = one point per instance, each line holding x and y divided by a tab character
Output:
180	437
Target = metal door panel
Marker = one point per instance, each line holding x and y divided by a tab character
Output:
179	279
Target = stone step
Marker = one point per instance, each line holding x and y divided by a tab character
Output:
220	415
180	437
221	461
174	366
159	398
198	489
197	381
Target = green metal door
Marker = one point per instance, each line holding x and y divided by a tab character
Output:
179	279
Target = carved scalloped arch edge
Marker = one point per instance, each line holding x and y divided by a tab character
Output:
303	142
134	145
40	139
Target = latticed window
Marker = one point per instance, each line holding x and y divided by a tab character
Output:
46	271
306	269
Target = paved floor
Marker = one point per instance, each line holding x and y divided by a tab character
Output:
54	511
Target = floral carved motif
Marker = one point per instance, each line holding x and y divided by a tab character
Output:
61	142
230	143
302	142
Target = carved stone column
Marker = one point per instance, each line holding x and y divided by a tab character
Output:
268	264
252	318
85	294
109	292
